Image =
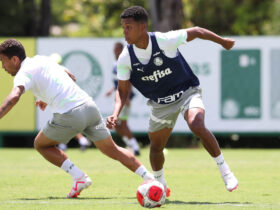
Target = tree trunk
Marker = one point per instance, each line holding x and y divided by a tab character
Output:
166	15
30	26
45	18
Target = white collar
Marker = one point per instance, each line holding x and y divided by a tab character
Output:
24	61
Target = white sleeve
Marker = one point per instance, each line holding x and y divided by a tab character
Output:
124	65
23	79
172	40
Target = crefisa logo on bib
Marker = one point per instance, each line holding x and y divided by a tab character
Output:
158	61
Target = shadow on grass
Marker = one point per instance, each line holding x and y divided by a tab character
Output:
176	202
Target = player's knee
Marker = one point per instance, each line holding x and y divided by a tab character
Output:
36	144
197	126
156	148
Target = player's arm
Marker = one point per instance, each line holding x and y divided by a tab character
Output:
127	103
122	93
202	33
11	100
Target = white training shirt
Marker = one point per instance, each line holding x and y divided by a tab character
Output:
168	42
48	81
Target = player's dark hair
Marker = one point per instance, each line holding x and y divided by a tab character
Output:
139	14
12	47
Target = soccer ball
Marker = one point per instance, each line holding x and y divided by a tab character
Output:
151	194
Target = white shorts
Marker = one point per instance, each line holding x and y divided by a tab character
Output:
165	115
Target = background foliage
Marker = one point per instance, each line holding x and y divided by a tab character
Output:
97	18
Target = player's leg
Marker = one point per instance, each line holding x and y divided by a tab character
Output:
195	120
47	148
158	140
124	156
162	121
97	132
123	130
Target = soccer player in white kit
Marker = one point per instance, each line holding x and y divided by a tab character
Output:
152	63
74	112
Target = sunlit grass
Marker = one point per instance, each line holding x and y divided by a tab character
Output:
27	181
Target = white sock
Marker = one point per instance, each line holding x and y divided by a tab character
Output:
83	141
70	168
125	140
133	144
144	173
223	167
62	146
159	176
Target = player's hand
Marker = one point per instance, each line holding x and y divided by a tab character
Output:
228	43
42	105
109	92
111	121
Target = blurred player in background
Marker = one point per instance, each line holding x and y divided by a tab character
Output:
82	140
153	64
122	128
74	112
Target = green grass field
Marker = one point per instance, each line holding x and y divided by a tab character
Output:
27	181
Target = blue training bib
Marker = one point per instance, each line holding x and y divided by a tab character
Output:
162	79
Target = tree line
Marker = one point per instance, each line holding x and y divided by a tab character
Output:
96	18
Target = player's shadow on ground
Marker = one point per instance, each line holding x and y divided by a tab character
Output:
176	202
205	203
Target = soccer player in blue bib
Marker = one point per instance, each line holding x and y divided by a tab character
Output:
152	63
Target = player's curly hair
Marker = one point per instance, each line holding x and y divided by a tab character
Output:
12	47
138	13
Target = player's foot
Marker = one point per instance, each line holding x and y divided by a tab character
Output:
167	191
133	146
78	185
230	181
136	152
